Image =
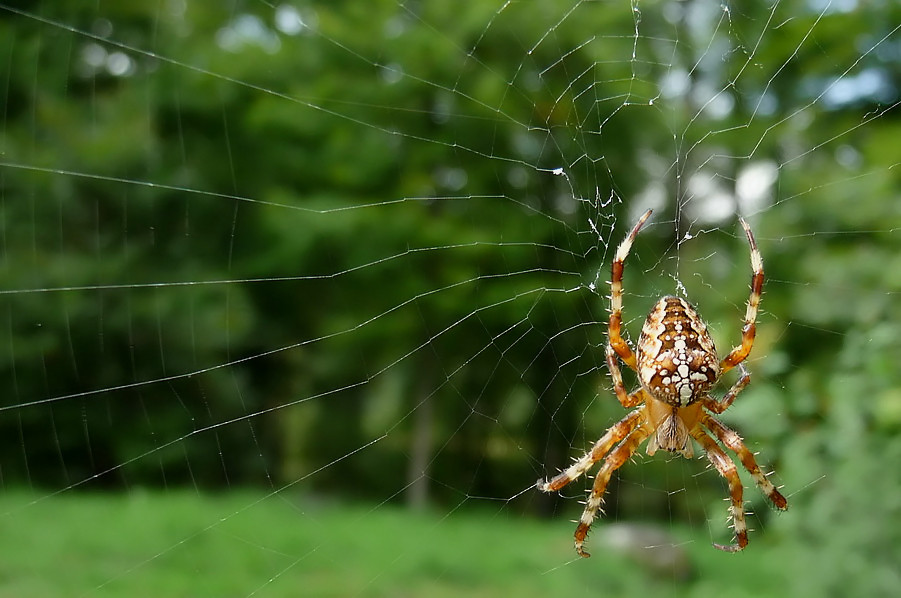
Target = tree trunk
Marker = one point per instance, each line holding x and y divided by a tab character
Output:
421	441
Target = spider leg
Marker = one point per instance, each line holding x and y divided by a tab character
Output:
614	435
614	328
724	403
614	461
733	442
727	469
619	387
749	330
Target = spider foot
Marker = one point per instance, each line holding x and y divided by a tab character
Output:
741	540
580	537
778	500
730	547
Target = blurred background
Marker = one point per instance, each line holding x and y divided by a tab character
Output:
301	298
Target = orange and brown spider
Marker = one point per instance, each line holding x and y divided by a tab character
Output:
677	364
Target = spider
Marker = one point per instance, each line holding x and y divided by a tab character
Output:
677	364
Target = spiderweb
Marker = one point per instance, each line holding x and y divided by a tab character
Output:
283	282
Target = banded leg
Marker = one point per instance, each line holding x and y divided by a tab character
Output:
614	461
615	326
749	330
734	443
727	469
724	403
619	387
614	435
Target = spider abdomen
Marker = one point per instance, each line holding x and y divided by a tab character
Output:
676	357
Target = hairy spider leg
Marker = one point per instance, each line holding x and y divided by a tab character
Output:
614	328
614	436
727	469
614	461
619	387
732	441
721	405
749	330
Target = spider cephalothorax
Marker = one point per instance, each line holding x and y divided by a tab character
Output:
677	364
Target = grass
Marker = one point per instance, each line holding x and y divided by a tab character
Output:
241	544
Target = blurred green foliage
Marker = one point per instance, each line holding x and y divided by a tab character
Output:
357	236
